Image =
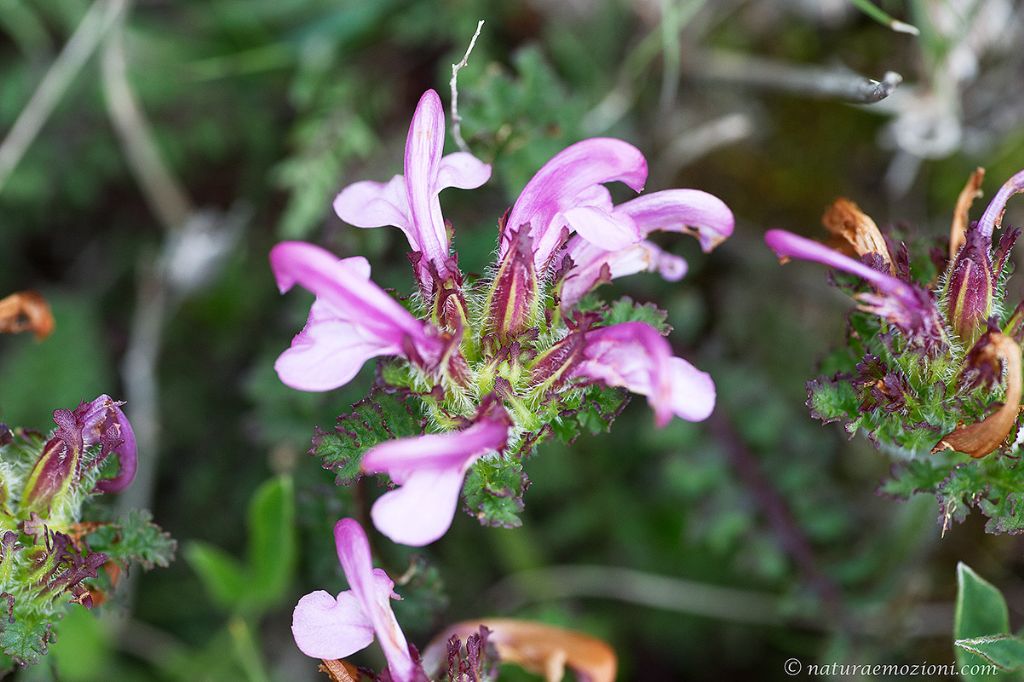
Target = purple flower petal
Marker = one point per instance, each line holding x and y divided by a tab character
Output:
330	627
593	266
410	201
353	315
429	470
993	215
423	149
373	590
566	182
635	356
903	304
103	418
602	229
681	210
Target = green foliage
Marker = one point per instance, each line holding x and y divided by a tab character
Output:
135	538
626	309
380	417
262	582
493	491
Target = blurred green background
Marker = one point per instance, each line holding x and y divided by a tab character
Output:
186	138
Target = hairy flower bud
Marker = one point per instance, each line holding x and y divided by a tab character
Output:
56	467
970	288
514	300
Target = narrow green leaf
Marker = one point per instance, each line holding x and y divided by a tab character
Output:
221	574
271	541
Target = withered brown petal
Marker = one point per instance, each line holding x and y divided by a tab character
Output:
26	311
857	234
970	192
536	647
339	671
981	438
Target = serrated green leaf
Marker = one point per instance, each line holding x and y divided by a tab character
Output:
223	576
1004	651
27	638
626	309
493	491
980	612
135	538
271	541
380	417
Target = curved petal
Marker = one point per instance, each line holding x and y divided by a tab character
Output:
681	210
328	353
693	391
102	418
594	266
373	590
376	204
559	184
635	356
422	509
330	627
423	149
340	286
602	229
462	170
903	304
993	215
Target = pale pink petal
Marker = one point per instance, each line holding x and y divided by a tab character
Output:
559	185
592	264
635	356
693	391
341	287
681	210
328	353
373	590
423	149
330	627
375	204
462	170
429	470
422	509
600	228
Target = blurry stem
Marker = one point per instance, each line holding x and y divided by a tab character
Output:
875	12
637	587
461	64
749	71
674	16
787	530
83	42
166	197
246	650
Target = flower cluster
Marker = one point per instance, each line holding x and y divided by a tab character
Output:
479	371
932	368
49	554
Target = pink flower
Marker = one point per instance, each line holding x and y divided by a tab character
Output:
335	627
635	356
675	210
429	471
567	195
905	305
410	202
351	321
